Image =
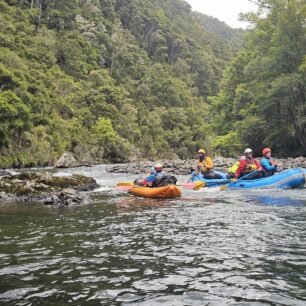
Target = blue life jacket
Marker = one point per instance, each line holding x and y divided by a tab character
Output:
153	175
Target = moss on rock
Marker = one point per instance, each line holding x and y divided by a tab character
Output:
43	186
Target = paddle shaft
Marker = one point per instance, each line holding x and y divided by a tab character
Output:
195	174
223	187
247	175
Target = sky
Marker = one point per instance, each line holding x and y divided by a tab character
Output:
225	10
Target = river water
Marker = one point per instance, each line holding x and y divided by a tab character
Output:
210	247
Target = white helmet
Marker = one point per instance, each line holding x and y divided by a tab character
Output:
248	150
158	165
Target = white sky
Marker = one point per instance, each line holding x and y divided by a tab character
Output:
225	10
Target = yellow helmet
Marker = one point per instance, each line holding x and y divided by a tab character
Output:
201	151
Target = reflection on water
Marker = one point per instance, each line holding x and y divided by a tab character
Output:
207	248
275	200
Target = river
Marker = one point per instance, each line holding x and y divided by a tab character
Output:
210	247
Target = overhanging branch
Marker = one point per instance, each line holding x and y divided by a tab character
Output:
261	4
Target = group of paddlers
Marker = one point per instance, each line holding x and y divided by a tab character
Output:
246	165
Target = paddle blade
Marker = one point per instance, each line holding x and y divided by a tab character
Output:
194	185
124	186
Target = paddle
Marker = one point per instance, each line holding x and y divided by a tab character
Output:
124	186
193	185
223	187
190	185
246	176
195	173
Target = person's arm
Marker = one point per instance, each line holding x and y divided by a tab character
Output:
266	165
198	169
240	168
273	163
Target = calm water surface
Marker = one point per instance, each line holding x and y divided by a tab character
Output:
207	248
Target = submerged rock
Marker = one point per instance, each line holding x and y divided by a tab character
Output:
65	197
46	188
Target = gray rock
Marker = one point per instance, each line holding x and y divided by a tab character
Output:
67	160
65	197
45	188
4	173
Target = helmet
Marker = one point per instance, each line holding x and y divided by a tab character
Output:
248	150
158	165
201	151
242	157
265	151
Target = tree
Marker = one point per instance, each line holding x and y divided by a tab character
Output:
265	87
14	117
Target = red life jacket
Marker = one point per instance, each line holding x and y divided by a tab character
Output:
246	166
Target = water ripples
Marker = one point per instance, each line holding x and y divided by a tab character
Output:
214	248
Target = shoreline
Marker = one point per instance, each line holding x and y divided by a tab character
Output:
185	167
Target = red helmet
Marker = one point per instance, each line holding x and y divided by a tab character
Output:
265	151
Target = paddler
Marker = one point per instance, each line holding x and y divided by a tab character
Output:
268	164
156	171
157	177
205	166
248	165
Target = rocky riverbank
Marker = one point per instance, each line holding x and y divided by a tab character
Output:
185	167
45	188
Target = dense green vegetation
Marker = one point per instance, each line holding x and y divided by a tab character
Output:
233	37
122	79
262	101
105	79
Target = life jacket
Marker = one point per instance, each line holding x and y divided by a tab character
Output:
247	166
205	165
152	176
250	166
234	167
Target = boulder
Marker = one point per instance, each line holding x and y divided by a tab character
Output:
65	197
4	173
67	160
46	188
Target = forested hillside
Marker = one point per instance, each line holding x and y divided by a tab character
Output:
105	79
234	37
262	101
